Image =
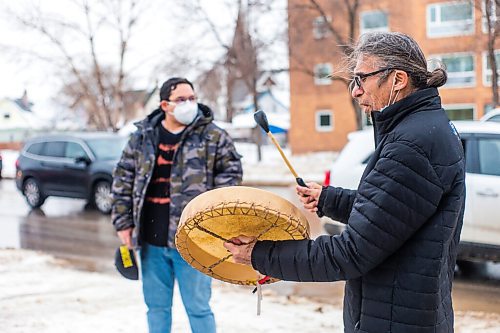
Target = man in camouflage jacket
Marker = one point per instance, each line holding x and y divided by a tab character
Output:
204	158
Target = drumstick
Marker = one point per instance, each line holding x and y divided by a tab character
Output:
261	120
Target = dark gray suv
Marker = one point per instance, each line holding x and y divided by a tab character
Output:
72	165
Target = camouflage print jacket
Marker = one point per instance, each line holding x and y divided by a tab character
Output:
206	159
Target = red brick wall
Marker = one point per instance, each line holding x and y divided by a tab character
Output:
306	97
11	145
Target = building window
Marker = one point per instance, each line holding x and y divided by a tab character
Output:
321	74
487	73
460	111
493	14
460	69
373	21
324	121
450	19
321	27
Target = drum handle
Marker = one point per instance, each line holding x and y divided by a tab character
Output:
261	282
258	289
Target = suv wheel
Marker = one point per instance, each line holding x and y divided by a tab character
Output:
101	197
33	193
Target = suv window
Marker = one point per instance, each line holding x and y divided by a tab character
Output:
74	150
495	118
36	148
54	149
107	148
489	156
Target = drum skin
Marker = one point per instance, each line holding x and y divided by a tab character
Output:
218	215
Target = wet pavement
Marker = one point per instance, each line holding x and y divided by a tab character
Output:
63	227
86	238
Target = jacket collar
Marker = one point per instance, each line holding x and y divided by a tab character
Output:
421	100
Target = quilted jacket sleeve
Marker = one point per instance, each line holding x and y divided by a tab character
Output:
393	201
336	203
228	170
122	187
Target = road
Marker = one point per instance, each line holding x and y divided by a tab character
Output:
67	229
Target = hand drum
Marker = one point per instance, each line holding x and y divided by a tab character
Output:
215	216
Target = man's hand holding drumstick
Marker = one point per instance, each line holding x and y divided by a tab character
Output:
309	196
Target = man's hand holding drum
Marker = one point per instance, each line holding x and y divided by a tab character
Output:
241	247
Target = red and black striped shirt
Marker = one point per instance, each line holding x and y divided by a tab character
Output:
157	201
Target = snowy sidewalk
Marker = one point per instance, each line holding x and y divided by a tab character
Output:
41	294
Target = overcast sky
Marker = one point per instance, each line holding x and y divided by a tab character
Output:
159	30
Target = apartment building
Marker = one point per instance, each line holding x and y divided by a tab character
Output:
322	112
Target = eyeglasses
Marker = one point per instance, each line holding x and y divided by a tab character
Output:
181	99
359	78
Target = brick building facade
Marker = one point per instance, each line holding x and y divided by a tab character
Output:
321	109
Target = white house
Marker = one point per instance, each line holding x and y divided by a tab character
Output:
17	123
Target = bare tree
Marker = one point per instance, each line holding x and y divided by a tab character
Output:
89	82
344	32
240	59
348	10
240	51
490	9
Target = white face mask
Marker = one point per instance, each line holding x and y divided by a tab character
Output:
185	112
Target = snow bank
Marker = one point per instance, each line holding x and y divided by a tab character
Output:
9	158
272	169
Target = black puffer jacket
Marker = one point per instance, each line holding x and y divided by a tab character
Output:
399	247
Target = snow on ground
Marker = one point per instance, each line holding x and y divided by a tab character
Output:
39	293
272	169
9	162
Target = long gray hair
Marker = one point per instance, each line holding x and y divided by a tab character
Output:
399	51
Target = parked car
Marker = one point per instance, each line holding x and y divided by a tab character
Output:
493	115
73	165
480	238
